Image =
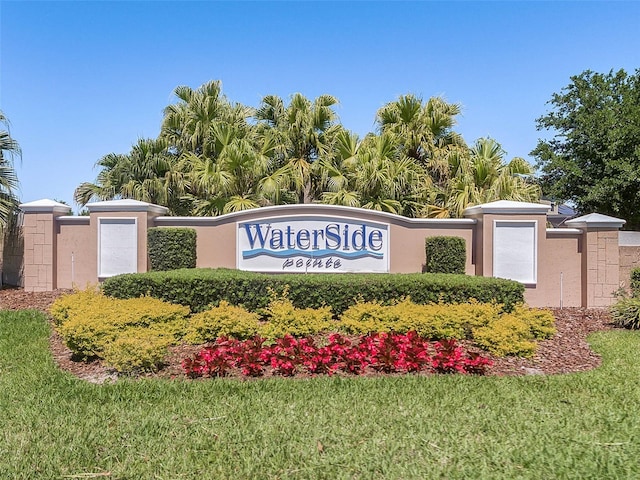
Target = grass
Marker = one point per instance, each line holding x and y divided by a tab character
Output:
54	426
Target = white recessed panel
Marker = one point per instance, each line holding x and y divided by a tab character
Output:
117	246
515	250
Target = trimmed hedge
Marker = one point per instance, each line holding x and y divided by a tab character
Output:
199	288
445	255
635	282
171	248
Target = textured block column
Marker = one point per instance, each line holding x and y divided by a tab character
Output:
600	258
39	231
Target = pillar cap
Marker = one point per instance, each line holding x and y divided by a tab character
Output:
595	220
44	206
508	207
126	205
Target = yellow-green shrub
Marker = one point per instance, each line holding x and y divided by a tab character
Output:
438	321
74	302
484	323
88	321
223	320
135	333
283	318
516	333
137	348
366	317
541	321
434	321
506	335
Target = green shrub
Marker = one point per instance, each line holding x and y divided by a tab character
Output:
516	333
285	319
89	321
635	282
137	348
625	313
540	321
487	325
199	288
171	248
224	320
446	255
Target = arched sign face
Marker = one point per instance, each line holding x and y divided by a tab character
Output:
312	244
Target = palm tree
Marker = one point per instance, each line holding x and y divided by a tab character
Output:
9	148
305	130
188	125
372	174
149	173
425	131
221	154
481	176
241	172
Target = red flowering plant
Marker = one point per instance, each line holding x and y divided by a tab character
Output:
347	357
250	357
451	358
287	354
213	361
380	352
322	360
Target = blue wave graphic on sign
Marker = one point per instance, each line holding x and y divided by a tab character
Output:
314	254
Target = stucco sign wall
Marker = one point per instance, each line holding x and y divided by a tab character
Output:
312	244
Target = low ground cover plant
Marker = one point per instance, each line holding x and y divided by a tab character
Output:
379	352
134	334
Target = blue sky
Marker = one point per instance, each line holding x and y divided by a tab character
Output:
82	79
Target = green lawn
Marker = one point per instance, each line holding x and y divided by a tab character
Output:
568	426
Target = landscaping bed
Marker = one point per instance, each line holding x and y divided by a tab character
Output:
566	352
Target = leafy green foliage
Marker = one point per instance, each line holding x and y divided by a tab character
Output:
635	282
171	248
222	321
593	158
625	313
199	288
9	148
128	334
446	254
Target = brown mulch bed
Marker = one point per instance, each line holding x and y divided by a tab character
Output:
568	351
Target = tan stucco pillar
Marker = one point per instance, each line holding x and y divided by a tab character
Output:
39	230
600	258
490	215
142	213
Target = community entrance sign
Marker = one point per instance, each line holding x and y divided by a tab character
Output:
312	244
